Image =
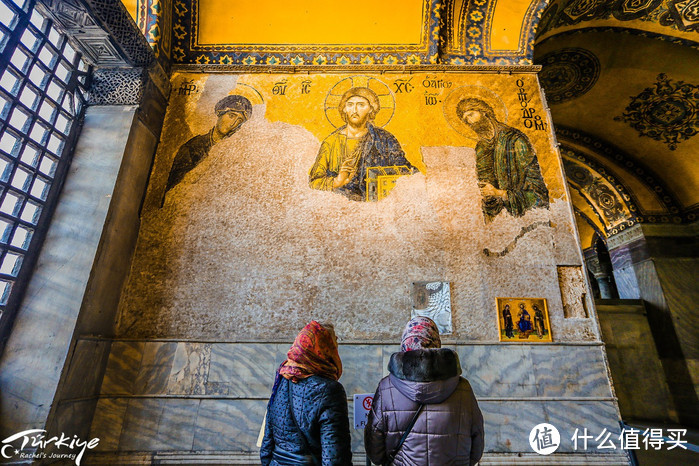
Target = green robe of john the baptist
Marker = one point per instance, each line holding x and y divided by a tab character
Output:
508	162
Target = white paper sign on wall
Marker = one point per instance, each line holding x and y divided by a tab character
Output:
362	405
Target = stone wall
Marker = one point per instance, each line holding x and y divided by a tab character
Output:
204	400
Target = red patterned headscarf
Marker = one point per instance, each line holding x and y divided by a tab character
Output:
420	333
314	352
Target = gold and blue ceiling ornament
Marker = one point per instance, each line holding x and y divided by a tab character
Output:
674	16
568	73
668	111
187	50
466	34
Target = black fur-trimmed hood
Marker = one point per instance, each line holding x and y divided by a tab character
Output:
427	375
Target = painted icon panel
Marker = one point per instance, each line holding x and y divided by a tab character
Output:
523	320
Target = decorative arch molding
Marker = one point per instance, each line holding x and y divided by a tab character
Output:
568	136
603	193
671	20
620	30
598	233
154	19
467	34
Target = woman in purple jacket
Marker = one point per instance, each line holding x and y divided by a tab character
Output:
448	429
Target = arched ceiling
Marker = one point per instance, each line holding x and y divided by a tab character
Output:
621	81
673	20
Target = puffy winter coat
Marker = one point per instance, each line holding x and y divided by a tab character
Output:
448	431
320	407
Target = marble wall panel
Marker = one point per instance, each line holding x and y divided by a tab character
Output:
239	369
140	425
232	425
493	371
72	417
362	369
156	365
86	368
508	423
159	424
679	279
570	371
122	367
247	370
108	421
626	283
190	367
595	416
509	379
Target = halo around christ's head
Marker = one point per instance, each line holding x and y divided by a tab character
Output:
387	101
477	92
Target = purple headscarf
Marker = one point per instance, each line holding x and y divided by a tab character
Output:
420	333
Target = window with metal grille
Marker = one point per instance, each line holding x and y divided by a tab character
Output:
41	102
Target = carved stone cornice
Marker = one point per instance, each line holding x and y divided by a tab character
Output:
117	86
102	30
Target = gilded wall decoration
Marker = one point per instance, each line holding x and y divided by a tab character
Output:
187	47
568	73
570	12
231	213
667	112
685	14
607	197
467	31
603	197
154	18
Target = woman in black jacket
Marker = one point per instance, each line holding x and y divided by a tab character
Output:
307	421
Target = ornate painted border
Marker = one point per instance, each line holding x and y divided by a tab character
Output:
215	68
622	30
472	23
674	212
640	170
592	224
569	153
152	17
187	51
664	13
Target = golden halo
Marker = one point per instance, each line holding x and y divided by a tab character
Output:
478	92
386	99
249	92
